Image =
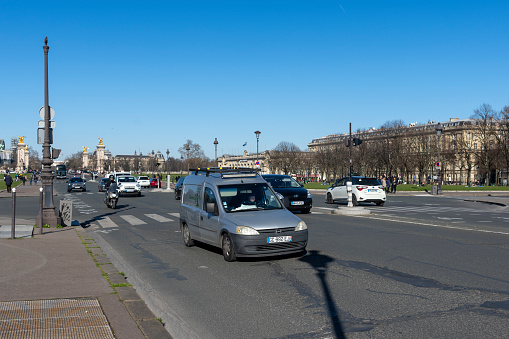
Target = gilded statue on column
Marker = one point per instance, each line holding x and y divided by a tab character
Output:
100	141
21	139
85	149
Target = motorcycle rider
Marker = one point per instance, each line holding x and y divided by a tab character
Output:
110	185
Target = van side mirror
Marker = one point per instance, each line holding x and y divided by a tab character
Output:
212	208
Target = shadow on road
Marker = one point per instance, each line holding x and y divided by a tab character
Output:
319	263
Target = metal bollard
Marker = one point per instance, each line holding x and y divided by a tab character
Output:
41	199
13	221
349	193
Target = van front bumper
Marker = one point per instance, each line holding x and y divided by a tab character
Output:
259	245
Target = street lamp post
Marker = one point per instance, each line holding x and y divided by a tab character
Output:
257	133
49	216
439	174
215	145
168	177
188	149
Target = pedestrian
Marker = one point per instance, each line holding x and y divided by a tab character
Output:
394	184
383	181
387	184
23	179
8	182
30	179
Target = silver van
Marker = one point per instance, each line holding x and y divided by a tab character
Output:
237	211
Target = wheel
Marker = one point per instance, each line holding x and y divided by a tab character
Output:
188	241
113	204
228	250
176	196
139	194
305	211
354	200
380	203
329	199
84	190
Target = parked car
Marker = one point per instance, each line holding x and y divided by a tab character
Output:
178	188
364	189
237	211
127	184
76	183
154	182
144	181
102	183
292	194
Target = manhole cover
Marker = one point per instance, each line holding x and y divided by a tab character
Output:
57	318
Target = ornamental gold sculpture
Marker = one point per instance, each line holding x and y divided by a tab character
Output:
100	141
85	149
20	139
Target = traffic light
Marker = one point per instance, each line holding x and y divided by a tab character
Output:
347	142
357	141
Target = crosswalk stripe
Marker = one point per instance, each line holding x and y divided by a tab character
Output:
106	222
133	220
158	217
176	215
425	209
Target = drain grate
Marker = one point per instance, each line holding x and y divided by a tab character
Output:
56	318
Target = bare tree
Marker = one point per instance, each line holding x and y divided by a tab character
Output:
74	161
484	138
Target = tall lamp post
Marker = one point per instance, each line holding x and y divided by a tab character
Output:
439	172
188	149
168	177
257	133
49	216
215	145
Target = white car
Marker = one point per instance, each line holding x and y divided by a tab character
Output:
144	181
127	184
364	189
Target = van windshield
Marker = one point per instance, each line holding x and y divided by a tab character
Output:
248	197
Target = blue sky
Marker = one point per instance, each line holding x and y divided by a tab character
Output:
148	75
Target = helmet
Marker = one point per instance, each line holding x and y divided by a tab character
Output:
112	177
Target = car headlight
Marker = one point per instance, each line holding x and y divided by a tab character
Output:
280	196
309	195
138	185
301	226
245	230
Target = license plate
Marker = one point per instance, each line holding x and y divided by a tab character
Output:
297	203
279	239
373	190
129	191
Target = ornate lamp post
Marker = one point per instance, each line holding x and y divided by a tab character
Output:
188	149
49	216
215	144
168	177
439	172
257	133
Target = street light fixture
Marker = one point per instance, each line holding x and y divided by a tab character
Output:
215	144
257	139
168	177
439	172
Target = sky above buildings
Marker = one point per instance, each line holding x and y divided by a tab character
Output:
148	75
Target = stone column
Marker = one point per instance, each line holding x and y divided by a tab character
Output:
85	157
20	157
100	155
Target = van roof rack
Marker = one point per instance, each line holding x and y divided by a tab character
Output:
226	172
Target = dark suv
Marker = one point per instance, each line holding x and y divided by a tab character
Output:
76	183
290	192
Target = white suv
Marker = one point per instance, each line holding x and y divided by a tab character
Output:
364	189
144	181
127	184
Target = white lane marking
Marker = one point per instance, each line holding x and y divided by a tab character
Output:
132	220
176	215
106	222
158	217
432	225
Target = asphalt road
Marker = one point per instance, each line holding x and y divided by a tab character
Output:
419	267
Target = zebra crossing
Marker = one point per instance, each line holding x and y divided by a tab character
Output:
108	222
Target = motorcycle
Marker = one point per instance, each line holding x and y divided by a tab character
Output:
112	195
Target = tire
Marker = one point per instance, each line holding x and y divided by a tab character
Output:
176	196
113	204
329	199
354	200
188	241
305	211
227	247
380	203
139	194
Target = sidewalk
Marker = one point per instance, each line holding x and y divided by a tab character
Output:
59	284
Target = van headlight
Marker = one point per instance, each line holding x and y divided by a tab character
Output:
245	230
309	195
301	226
280	196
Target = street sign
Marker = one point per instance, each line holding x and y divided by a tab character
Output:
51	112
257	164
41	124
40	136
438	165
